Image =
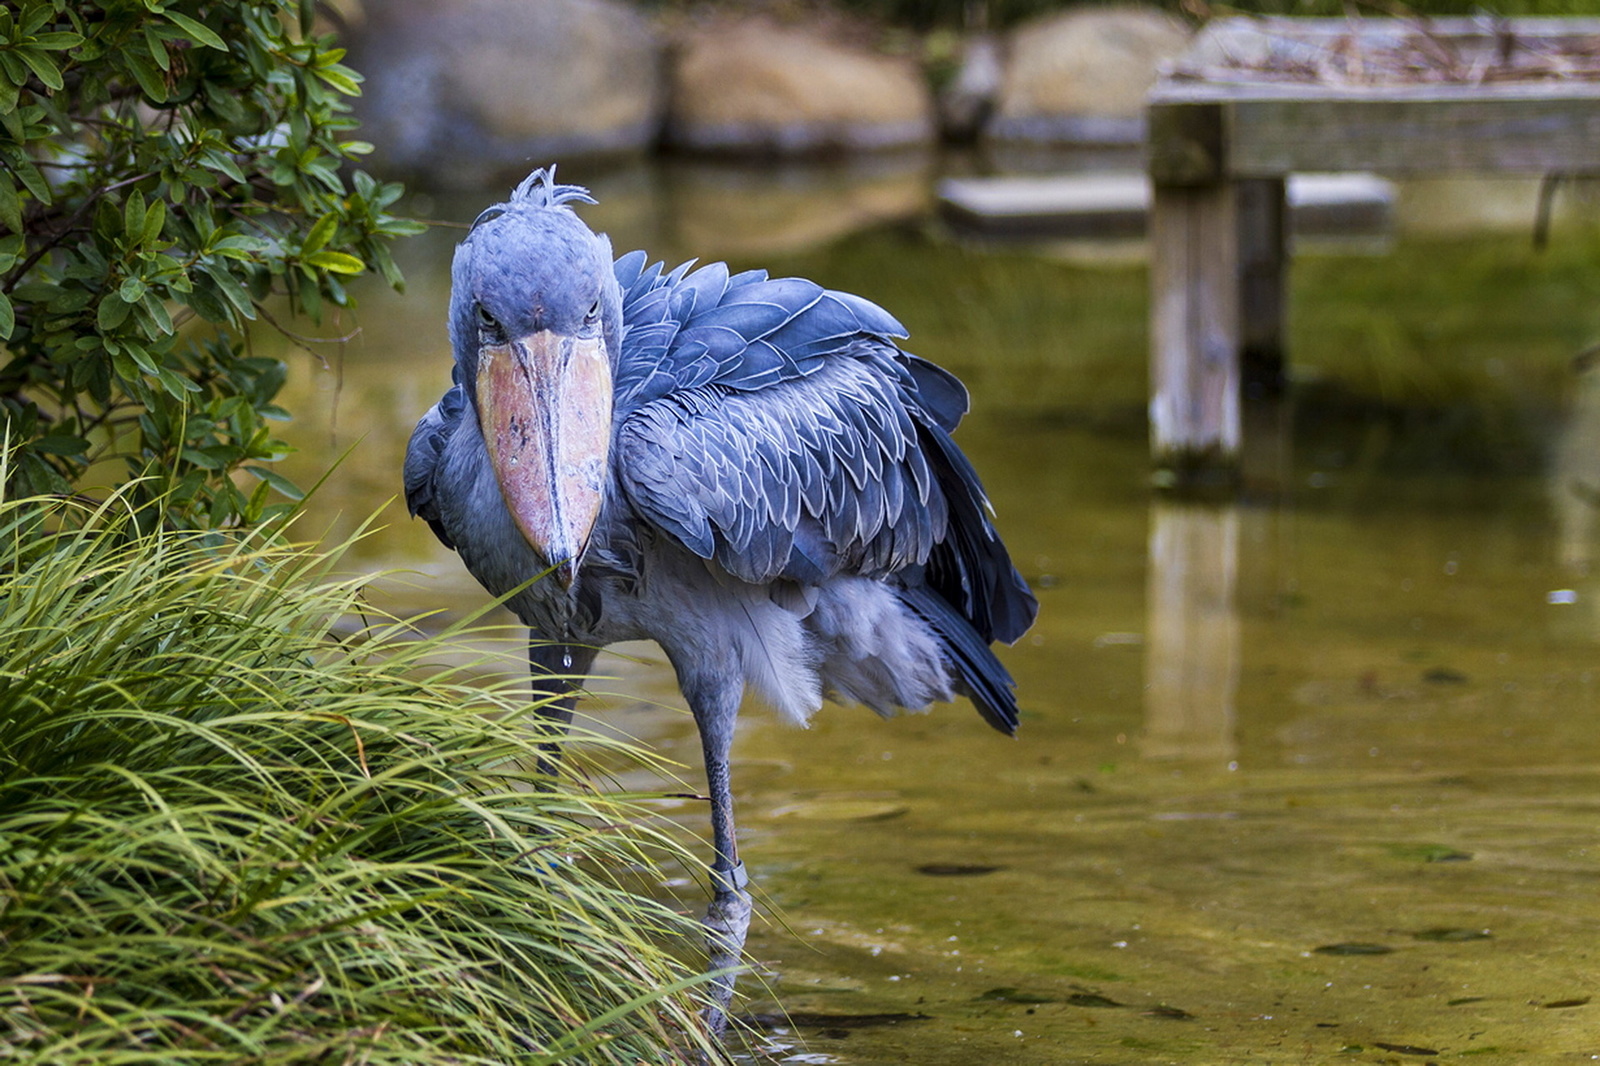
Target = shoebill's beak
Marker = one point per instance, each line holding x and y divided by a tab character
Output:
544	406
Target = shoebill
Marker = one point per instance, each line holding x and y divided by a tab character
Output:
746	470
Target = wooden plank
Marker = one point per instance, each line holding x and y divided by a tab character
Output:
1178	92
1254	50
1274	137
1247	37
1194	329
1266	130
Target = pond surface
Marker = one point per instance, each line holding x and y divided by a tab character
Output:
1306	779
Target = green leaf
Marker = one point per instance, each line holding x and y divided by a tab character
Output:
178	387
30	177
341	78
336	262
201	459
206	302
36	292
10	206
111	313
126	368
56	42
43	67
197	31
15	70
133	209
237	246
141	355
34	18
155	220
223	163
158	50
229	287
278	481
147	75
11	249
8	317
132	290
318	237
153	306
61	444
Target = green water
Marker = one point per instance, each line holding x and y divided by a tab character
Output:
1308	780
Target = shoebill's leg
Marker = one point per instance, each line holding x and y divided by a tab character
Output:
558	671
715	703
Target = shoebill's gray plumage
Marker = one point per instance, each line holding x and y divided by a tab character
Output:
746	470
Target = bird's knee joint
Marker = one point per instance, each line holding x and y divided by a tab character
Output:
726	882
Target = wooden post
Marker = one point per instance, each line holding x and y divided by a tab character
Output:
1217	262
1194	331
1263	259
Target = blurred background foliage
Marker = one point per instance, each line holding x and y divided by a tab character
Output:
168	167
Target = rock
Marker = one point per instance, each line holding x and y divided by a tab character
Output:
1082	75
753	87
463	93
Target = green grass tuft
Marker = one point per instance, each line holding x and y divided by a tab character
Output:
226	836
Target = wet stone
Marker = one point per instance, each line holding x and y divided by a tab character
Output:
1405	1049
956	869
1447	935
1354	949
829	1021
1428	853
1013	995
1174	1014
1091	999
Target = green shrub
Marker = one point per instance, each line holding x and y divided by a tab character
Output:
227	837
165	167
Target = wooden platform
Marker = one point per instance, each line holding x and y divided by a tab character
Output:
1118	205
1256	100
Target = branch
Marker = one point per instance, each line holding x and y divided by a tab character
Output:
21	271
304	342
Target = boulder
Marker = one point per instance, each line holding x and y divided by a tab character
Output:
749	86
1081	76
463	93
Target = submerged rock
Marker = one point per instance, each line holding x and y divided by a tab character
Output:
748	86
1081	76
461	93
